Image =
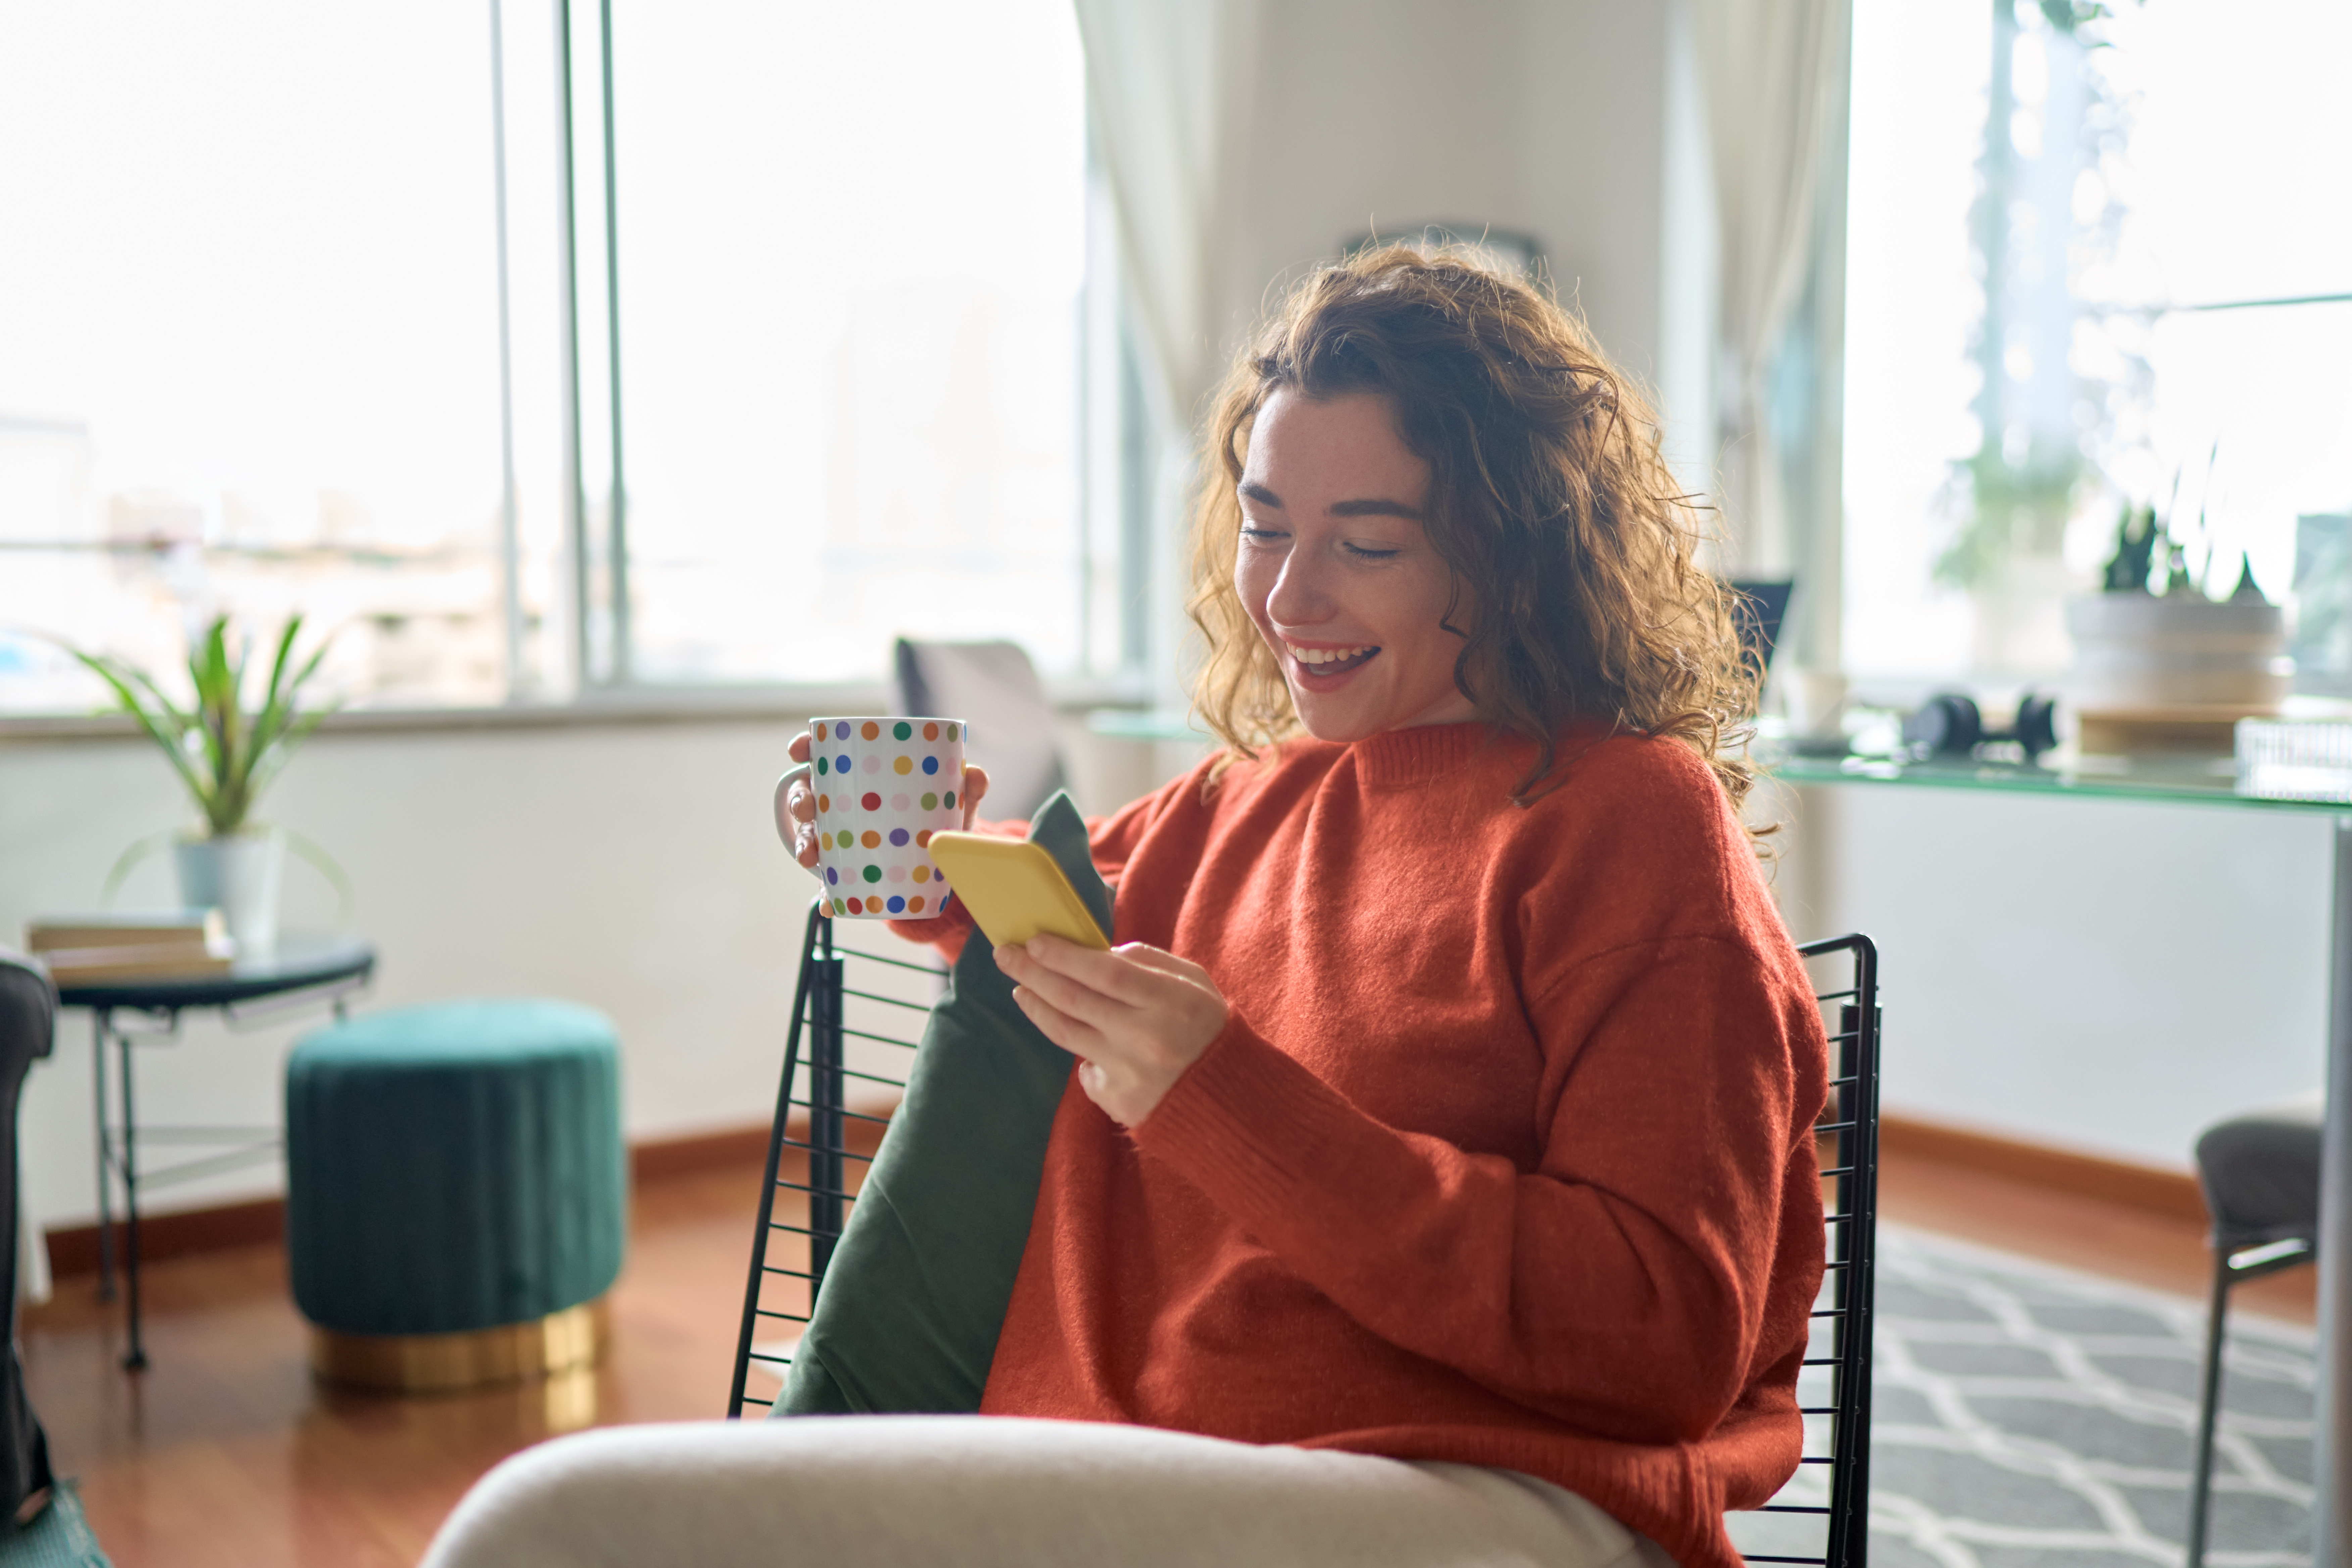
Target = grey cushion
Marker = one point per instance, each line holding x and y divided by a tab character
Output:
918	1288
1009	725
2261	1174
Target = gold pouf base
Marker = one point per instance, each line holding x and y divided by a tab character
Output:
472	1358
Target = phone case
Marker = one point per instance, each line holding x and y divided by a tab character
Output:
1013	888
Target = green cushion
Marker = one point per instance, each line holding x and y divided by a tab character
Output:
919	1286
455	1166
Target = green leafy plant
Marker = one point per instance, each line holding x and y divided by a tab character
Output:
224	753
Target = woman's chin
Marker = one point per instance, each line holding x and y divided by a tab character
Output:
1343	718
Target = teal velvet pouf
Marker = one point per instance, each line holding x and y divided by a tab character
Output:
454	1167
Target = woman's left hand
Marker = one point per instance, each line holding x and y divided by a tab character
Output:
1137	1015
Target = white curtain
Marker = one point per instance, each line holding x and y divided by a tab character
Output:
1169	84
1776	79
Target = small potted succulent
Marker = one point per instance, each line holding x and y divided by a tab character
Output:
227	753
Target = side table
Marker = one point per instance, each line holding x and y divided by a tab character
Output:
304	971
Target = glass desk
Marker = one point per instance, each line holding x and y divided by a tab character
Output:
2213	784
2196	781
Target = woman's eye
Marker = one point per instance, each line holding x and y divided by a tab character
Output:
1262	535
1364	552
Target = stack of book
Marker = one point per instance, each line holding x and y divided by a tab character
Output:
85	950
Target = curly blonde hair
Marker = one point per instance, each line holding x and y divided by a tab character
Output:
1565	531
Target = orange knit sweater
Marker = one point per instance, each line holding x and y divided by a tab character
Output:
1504	1157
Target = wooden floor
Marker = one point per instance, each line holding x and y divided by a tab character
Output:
225	1453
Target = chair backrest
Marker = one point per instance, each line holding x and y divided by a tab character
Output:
994	690
857	1017
1823	1515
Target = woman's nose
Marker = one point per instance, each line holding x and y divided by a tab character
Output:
1301	598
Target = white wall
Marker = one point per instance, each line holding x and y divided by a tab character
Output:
1548	116
632	867
2108	976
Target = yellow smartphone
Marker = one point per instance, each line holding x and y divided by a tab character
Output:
1013	888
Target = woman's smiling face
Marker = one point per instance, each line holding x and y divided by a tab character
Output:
1337	572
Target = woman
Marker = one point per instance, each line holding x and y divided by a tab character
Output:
1443	1118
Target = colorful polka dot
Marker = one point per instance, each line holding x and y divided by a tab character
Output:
923	873
931	732
950	800
898	873
871	840
899	838
871	801
930	801
898	906
820	767
857	906
873	764
824	803
841	730
902	730
873	873
832	877
923	839
952	731
904	765
871	731
901	803
915	906
930	764
841	764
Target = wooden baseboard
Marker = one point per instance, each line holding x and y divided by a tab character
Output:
73	1249
658	1158
2149	1188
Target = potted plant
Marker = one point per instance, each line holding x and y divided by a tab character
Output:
227	755
2160	665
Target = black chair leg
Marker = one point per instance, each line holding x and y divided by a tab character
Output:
2209	1415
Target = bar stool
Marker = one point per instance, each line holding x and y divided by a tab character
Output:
2261	1175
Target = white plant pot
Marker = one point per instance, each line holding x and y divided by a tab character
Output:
2136	653
238	875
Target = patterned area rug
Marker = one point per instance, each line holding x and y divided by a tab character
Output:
2029	1417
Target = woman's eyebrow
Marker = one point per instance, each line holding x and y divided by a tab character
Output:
1372	508
1365	507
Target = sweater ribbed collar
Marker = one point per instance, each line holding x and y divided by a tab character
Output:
1401	758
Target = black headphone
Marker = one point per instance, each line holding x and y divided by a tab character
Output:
1951	725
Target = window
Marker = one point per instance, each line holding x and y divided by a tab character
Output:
541	347
248	336
2091	252
852	247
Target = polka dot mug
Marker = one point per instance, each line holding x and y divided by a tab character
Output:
884	785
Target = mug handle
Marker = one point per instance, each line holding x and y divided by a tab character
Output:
784	824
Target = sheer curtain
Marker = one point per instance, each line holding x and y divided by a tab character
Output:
1168	84
1776	81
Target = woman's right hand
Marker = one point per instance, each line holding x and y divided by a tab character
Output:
797	803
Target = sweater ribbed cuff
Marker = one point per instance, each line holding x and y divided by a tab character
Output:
1243	1124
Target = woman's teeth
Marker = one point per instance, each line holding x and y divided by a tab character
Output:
1329	657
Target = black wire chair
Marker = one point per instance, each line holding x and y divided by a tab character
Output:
820	1145
1833	1481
